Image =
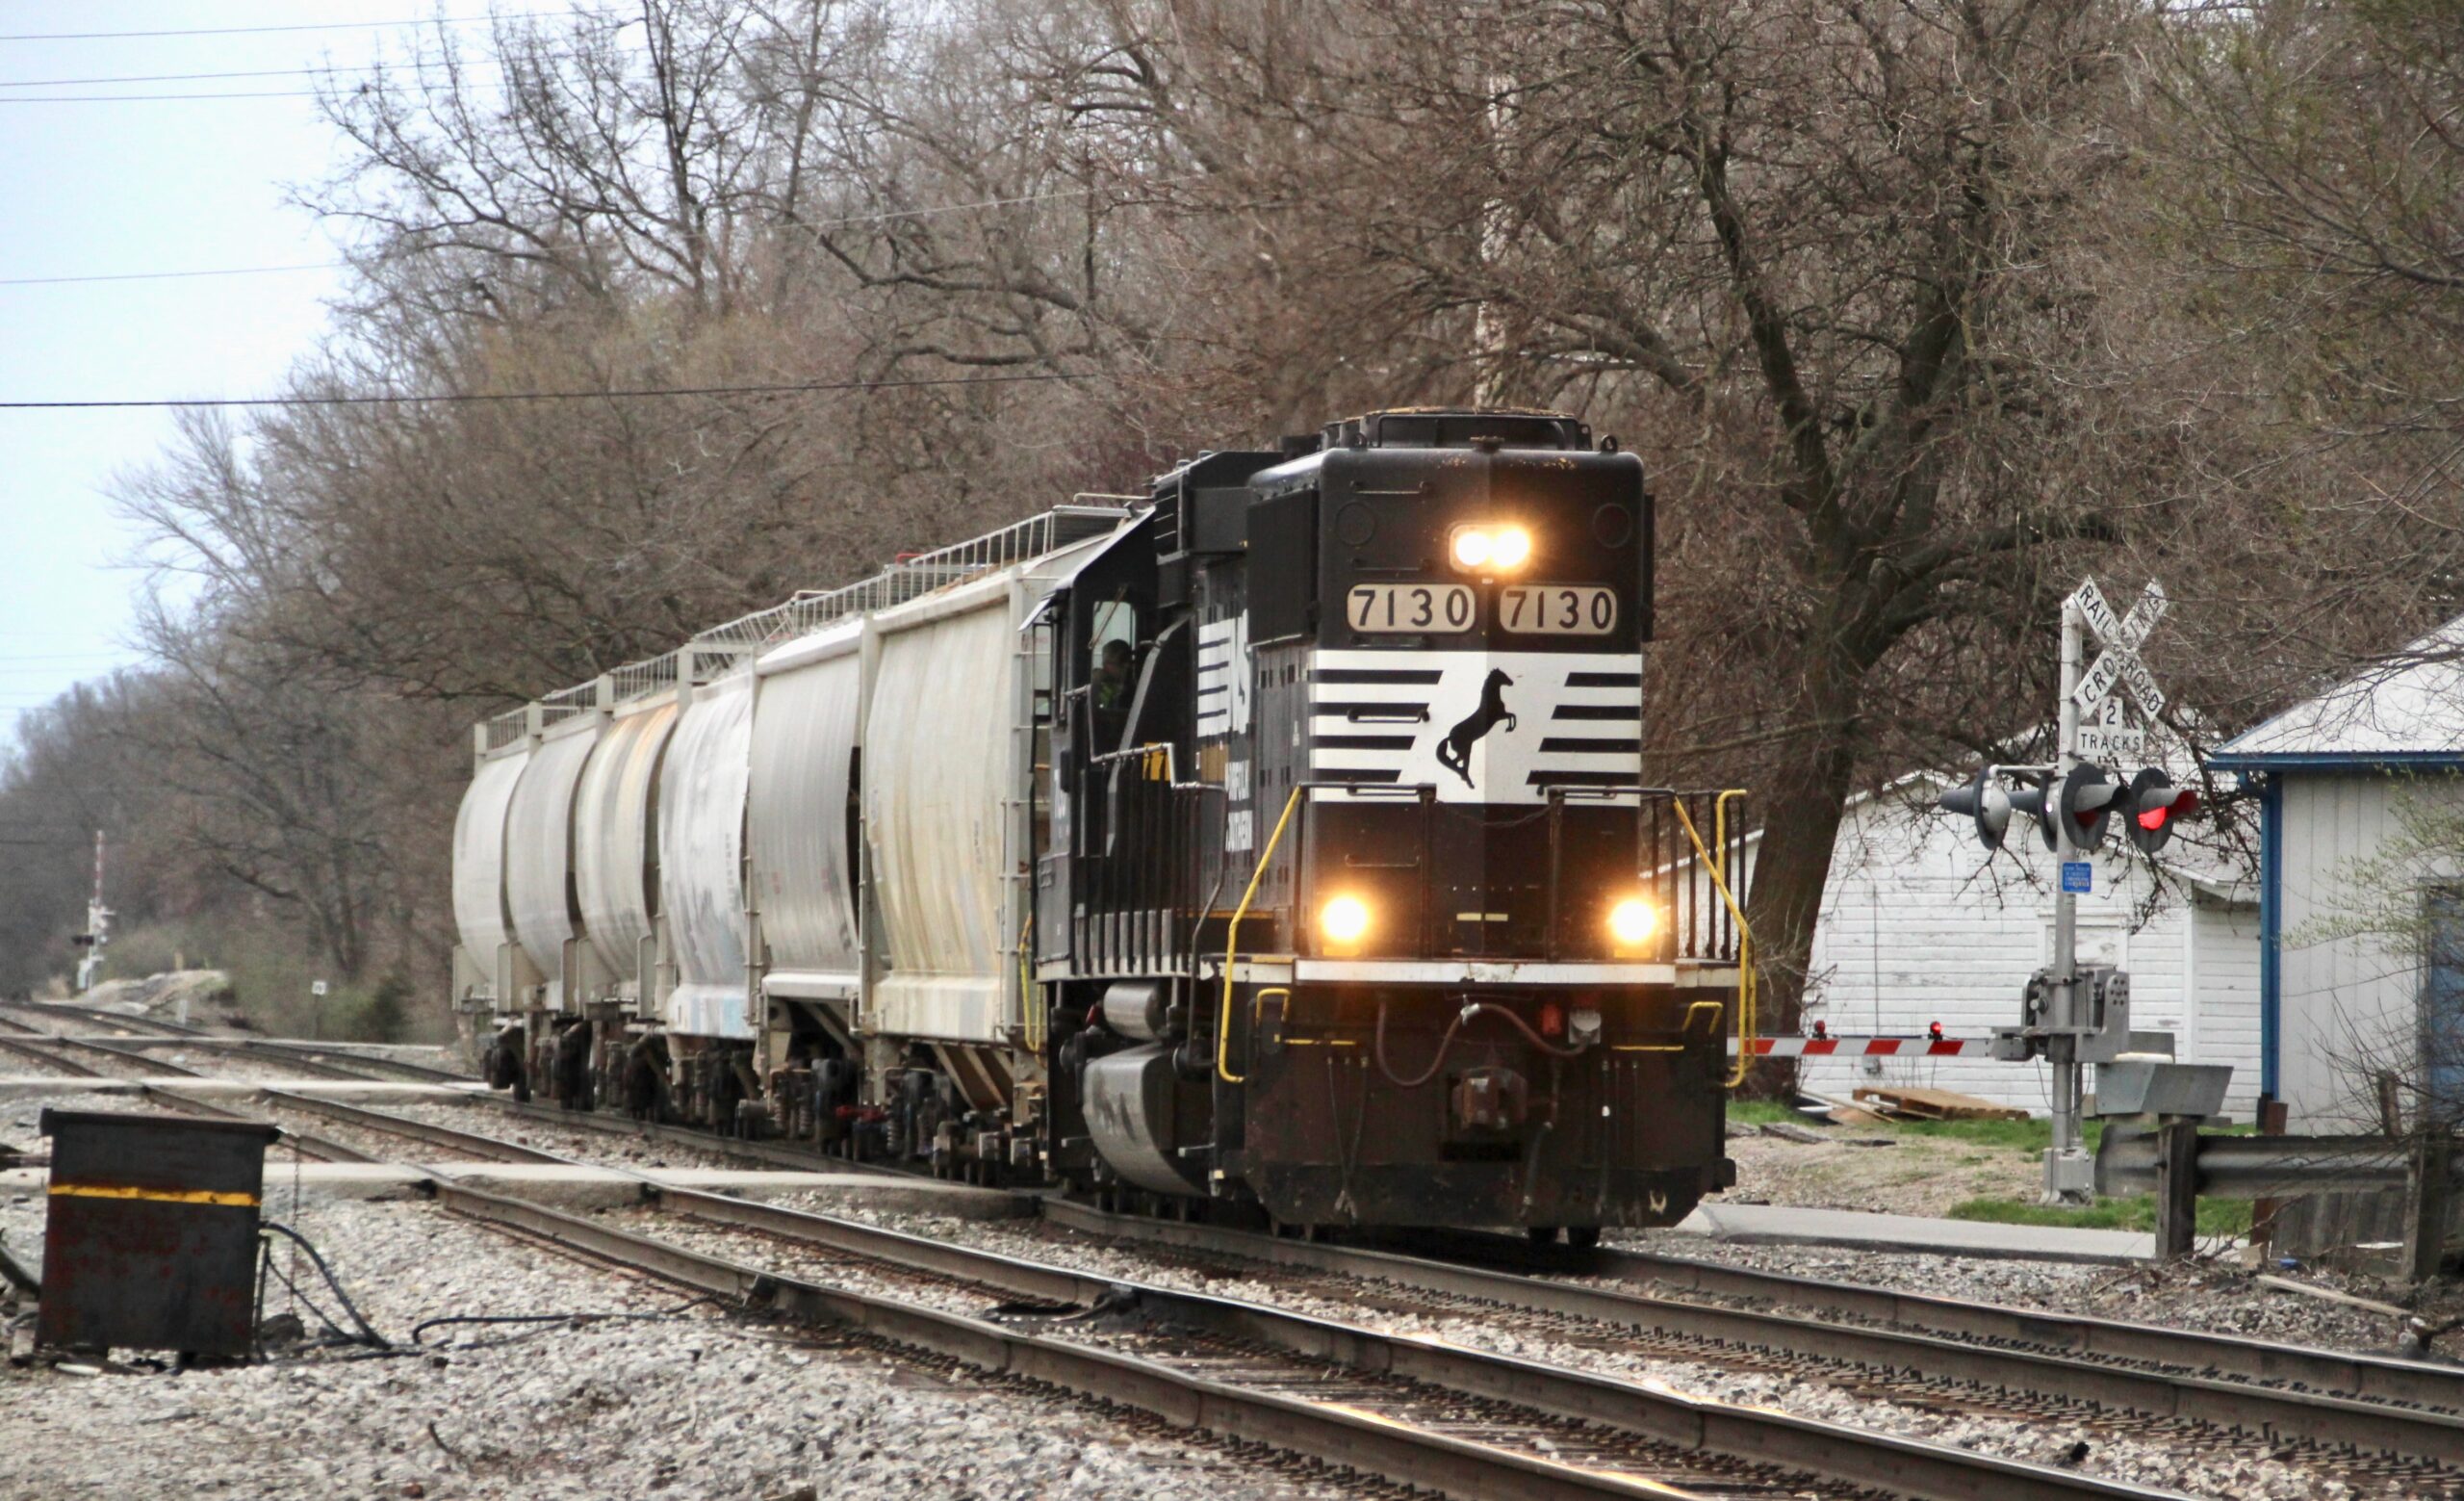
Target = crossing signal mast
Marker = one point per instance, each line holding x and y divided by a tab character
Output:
98	926
2074	1015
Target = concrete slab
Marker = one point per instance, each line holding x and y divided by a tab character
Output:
577	1187
24	1086
1780	1225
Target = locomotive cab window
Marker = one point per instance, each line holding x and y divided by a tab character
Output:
1112	669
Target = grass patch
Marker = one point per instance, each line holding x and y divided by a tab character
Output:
2215	1216
1763	1112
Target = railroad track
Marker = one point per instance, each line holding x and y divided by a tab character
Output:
354	1064
17	1047
2373	1421
304	1066
88	1016
1465	1422
468	1145
2369	1419
2329	1411
2387	1380
1460	1421
67	1050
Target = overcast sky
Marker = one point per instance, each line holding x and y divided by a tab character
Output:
136	186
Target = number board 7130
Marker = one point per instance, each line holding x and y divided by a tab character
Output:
1423	609
1557	609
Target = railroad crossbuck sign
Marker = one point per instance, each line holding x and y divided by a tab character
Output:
2103	732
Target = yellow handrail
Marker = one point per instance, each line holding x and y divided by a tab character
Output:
1232	936
1720	827
1031	1018
1744	934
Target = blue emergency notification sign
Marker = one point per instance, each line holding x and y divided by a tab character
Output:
2077	875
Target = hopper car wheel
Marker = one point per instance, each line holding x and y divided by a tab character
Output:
1542	1234
1582	1238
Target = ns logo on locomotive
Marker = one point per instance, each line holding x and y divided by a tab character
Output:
1276	841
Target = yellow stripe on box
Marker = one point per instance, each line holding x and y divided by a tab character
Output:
152	1195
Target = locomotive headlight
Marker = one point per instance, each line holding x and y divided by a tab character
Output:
1343	920
1502	548
1631	923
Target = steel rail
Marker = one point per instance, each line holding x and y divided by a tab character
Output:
2364	1425
343	1059
324	1149
62	1012
121	1052
25	1048
467	1144
236	1047
1342	1434
803	1160
2373	1378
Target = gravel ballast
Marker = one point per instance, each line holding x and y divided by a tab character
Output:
696	1405
2237	1470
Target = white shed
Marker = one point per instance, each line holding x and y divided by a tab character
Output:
2350	909
1919	926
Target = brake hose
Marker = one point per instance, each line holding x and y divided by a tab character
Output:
1445	1044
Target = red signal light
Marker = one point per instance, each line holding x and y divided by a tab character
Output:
2155	806
2181	806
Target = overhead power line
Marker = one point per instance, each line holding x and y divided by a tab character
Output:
470	398
148	98
170	275
253	31
883	217
407	65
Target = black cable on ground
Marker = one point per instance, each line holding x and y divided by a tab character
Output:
367	1332
419	1331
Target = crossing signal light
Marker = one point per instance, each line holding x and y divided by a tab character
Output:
2084	804
1983	801
2154	805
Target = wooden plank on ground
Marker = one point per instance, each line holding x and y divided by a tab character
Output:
1937	1104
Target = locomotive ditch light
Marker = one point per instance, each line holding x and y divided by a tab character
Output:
1343	921
1478	547
1631	923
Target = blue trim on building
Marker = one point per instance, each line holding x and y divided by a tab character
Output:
2270	930
2333	761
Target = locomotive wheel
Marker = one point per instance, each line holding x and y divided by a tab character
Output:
1582	1238
1542	1234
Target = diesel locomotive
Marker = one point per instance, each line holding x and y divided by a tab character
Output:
1274	842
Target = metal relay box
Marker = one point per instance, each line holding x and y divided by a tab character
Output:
150	1232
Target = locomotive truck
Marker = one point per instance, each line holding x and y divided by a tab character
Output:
1272	843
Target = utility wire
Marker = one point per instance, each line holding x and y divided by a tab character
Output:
172	275
475	396
253	31
883	217
150	98
406	65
